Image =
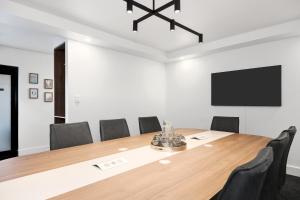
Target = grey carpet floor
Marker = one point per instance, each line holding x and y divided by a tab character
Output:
291	189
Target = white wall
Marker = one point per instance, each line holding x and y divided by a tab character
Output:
34	115
188	91
112	85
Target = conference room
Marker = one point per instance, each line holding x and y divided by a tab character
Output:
149	99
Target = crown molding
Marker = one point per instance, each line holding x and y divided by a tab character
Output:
268	34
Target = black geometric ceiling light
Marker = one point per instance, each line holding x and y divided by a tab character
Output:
155	12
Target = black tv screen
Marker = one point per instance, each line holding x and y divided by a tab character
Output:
250	87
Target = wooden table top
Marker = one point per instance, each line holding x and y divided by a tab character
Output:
197	173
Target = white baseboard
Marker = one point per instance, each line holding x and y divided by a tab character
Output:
293	170
27	151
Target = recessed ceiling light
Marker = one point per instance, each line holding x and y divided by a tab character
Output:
87	39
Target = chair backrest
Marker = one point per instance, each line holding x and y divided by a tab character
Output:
149	124
113	129
291	132
69	135
270	190
228	124
246	181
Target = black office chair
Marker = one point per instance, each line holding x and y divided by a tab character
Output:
228	124
270	189
291	132
113	129
149	124
246	181
69	135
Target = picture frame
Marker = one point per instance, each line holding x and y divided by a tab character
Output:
48	83
33	78
33	93
48	96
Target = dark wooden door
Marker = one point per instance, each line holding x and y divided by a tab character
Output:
59	88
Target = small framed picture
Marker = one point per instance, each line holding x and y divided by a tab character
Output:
48	83
33	93
33	78
48	96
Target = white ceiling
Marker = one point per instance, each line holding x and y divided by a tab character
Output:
216	19
28	39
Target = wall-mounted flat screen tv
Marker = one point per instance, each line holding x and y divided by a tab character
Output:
249	87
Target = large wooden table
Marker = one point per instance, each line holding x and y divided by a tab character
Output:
197	173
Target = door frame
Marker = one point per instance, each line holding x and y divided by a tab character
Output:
14	72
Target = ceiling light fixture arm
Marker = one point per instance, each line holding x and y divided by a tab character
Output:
155	12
